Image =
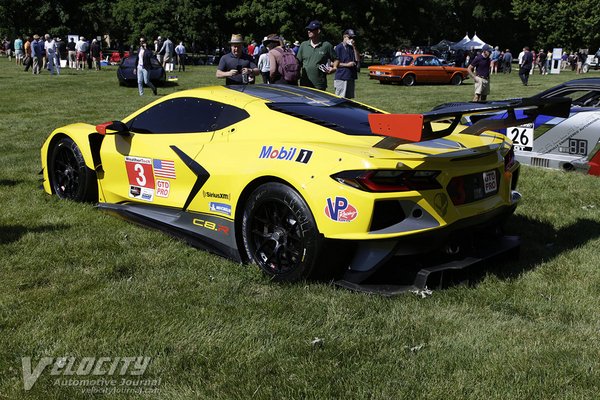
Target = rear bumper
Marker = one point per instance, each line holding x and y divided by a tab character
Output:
453	247
390	78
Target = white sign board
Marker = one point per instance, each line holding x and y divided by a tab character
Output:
556	60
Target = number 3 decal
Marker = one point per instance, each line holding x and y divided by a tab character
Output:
140	172
141	178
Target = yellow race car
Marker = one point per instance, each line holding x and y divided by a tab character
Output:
298	181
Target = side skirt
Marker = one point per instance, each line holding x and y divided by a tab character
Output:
204	231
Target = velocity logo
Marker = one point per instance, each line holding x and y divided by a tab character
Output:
285	154
340	210
86	366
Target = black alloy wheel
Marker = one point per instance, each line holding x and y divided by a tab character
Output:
280	234
69	177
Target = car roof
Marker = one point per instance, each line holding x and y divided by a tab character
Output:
288	94
582	84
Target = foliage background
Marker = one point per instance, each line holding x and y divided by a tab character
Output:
382	24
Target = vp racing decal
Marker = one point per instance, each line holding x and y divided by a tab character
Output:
340	210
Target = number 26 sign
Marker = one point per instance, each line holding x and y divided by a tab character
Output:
521	136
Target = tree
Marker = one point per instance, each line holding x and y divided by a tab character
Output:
560	23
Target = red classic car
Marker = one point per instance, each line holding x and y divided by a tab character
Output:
417	68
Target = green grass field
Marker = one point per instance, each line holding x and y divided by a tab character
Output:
75	281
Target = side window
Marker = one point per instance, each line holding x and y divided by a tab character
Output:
186	115
419	62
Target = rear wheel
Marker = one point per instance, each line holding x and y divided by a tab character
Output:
69	177
457	79
280	234
408	80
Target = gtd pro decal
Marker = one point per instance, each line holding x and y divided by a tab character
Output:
285	154
340	210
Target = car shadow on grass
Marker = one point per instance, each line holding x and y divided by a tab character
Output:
13	233
540	242
9	182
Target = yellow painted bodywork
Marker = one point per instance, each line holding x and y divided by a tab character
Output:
232	157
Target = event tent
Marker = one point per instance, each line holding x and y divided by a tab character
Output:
467	43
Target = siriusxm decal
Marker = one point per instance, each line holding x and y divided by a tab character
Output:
287	154
220	208
340	210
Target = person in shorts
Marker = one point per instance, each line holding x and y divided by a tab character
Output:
347	66
479	71
81	48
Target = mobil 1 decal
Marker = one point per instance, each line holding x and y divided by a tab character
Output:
339	209
286	153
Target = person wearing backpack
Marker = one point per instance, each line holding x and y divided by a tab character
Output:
284	67
347	67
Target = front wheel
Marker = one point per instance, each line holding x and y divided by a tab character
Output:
280	234
456	79
69	177
408	80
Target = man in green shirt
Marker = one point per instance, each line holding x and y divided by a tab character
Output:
317	59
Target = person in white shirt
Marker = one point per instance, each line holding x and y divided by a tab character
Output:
143	63
181	56
264	65
81	48
50	46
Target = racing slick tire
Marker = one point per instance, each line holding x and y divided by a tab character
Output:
408	80
69	177
456	80
280	234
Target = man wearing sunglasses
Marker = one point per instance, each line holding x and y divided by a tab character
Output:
143	63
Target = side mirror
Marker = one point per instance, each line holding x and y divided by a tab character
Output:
112	128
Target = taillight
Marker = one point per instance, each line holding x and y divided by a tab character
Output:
509	159
389	180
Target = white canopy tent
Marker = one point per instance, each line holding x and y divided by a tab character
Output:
467	43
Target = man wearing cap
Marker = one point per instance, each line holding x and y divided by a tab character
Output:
479	71
237	67
347	68
315	57
36	54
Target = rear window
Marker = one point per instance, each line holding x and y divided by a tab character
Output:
345	117
402	60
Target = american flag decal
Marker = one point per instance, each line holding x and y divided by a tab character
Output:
164	169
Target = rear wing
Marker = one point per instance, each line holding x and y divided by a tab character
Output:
410	128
